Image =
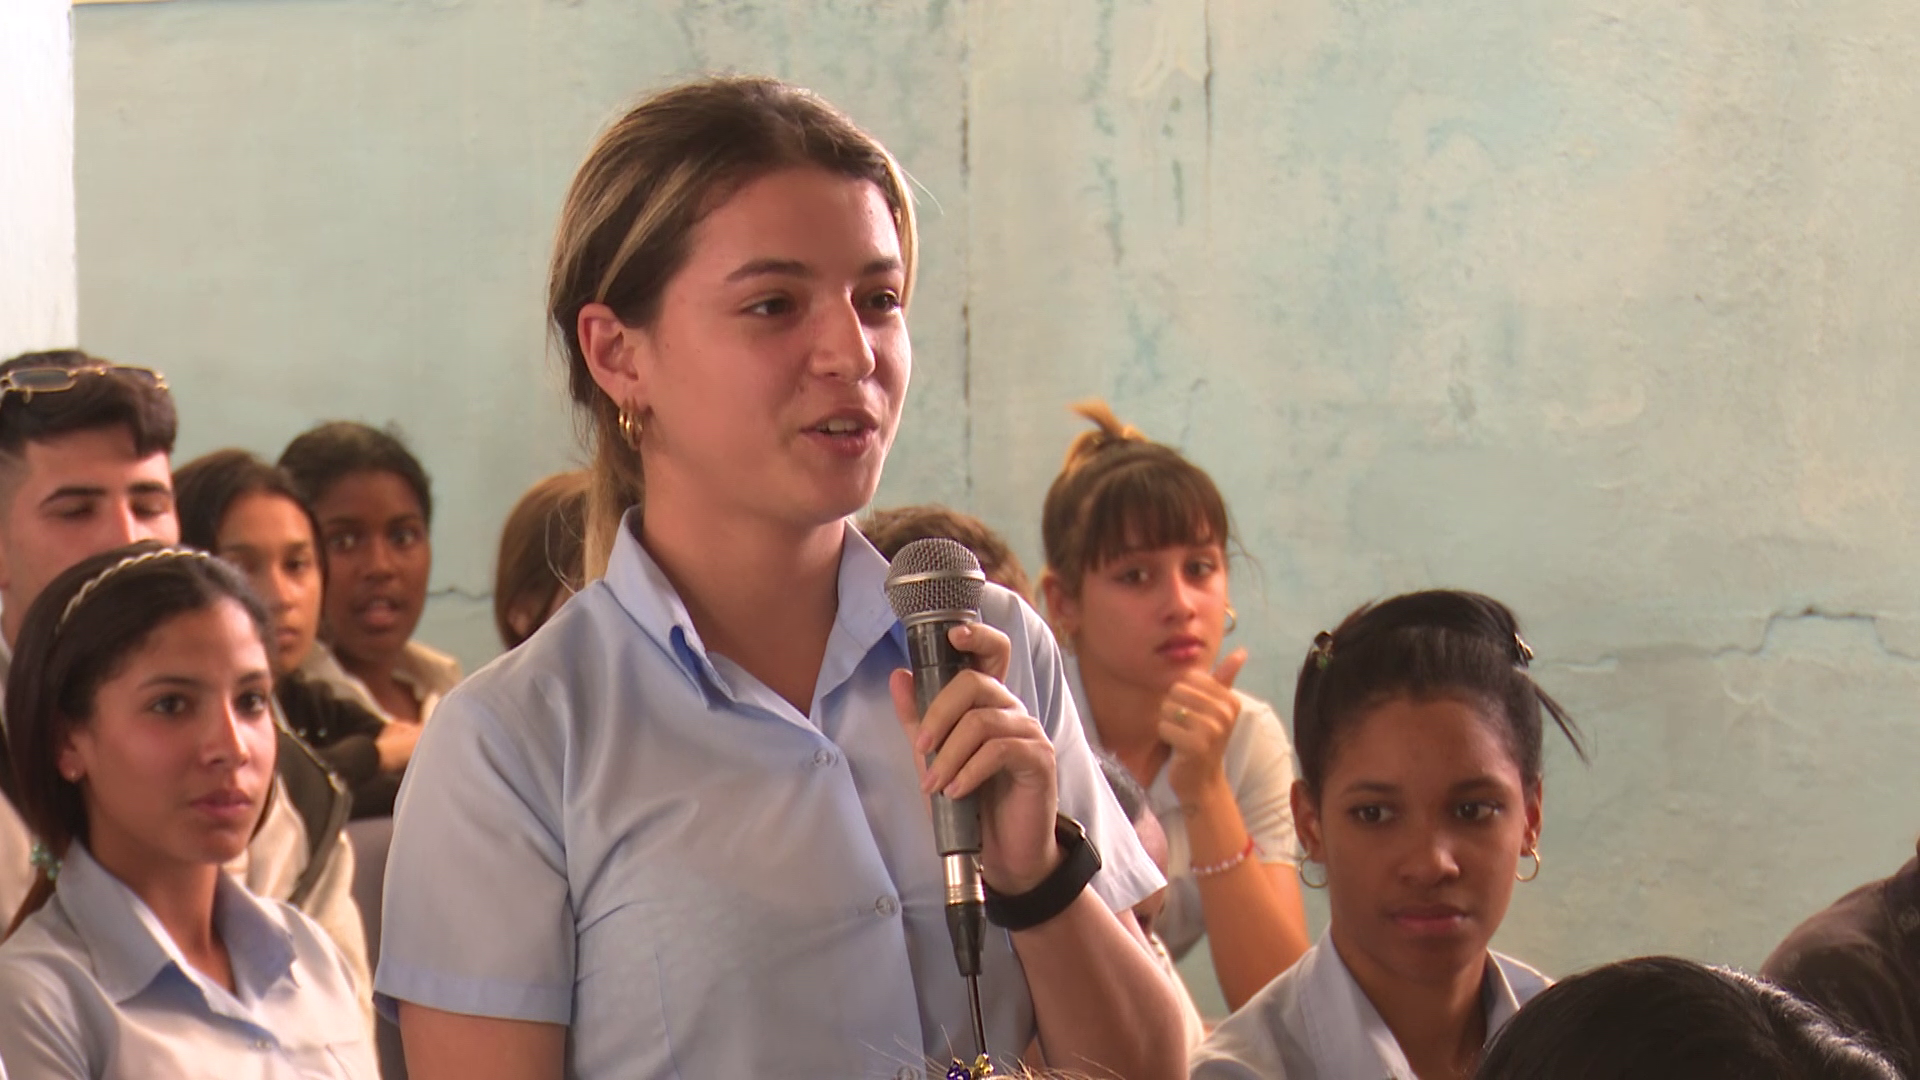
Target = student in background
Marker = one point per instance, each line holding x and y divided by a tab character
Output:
374	504
247	512
1136	539
1419	731
542	555
1860	961
1663	1018
144	744
84	468
1133	802
892	529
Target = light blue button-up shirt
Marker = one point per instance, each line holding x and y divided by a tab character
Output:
93	985
1314	1022
614	829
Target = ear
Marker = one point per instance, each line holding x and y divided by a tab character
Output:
1536	795
71	759
1063	611
618	356
1306	823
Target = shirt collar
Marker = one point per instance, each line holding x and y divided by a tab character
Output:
130	948
861	622
1348	1038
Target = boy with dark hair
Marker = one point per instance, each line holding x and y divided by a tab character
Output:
84	468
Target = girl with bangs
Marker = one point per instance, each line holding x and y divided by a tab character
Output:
1136	540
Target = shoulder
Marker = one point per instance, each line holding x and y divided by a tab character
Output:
1523	979
47	981
1255	1041
323	967
1259	724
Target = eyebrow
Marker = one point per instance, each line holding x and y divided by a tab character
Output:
797	269
187	682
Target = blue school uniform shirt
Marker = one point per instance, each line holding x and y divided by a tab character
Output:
93	985
613	829
1313	1022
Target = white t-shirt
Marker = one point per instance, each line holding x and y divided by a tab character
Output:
1259	765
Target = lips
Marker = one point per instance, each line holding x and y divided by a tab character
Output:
227	804
1430	920
845	432
380	613
1182	648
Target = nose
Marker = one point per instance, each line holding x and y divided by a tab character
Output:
381	561
1183	598
227	738
124	527
1430	860
841	349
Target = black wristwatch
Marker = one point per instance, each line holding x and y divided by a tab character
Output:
1079	861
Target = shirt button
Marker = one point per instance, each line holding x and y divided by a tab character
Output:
822	758
886	905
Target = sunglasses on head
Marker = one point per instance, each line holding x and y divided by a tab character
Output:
28	381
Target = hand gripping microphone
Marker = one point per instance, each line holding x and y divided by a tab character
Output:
933	586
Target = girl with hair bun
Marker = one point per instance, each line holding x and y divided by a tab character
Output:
143	745
1418	726
1136	540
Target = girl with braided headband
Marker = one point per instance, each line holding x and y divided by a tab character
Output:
144	745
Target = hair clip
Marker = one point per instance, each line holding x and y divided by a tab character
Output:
981	1068
44	860
1526	650
1323	650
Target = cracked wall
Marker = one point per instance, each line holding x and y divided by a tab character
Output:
1604	309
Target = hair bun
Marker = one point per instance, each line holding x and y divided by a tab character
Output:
1107	431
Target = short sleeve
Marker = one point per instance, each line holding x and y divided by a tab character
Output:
41	1036
478	917
1260	768
1127	876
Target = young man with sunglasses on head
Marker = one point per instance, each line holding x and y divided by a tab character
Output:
84	468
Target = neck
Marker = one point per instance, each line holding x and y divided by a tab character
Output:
180	895
762	595
1441	1026
393	696
1127	716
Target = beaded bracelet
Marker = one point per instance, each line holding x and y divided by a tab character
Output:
1224	865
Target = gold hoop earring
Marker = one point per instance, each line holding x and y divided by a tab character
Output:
630	427
1535	856
1301	869
1233	620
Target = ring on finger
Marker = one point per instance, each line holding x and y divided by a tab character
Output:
1180	714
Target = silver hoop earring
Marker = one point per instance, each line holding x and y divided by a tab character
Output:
1301	869
1535	856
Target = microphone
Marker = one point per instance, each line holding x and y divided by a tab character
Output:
934	585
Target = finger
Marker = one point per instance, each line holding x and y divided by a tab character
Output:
1190	708
992	650
976	729
1183	740
969	690
1020	759
1229	668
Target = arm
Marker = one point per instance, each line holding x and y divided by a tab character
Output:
1102	1005
452	1046
1256	924
1099	1002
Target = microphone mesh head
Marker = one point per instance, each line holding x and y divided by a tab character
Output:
935	574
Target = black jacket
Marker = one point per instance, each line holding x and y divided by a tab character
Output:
341	733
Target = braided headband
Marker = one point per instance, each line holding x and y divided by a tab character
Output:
1322	651
95	581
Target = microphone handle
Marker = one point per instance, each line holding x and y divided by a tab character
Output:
935	663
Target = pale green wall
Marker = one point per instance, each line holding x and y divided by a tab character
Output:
1603	308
